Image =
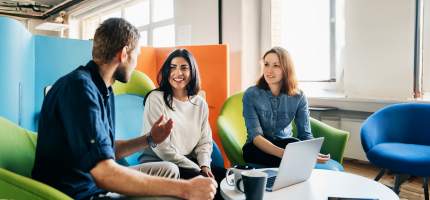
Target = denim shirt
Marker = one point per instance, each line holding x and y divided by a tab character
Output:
271	116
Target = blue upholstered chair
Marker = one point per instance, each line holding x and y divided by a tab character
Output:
129	114
397	138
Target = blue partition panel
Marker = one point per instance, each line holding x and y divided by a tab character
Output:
28	64
16	73
55	57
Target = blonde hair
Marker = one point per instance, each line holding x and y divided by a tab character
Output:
290	85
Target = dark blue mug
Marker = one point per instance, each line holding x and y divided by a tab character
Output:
254	184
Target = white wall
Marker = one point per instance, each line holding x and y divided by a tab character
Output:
251	34
376	55
242	32
379	51
196	22
31	26
232	35
353	149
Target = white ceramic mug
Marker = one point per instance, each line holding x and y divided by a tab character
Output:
236	170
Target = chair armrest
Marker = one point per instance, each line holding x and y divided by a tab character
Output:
335	139
231	147
15	186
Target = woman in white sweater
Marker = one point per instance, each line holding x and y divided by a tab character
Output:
190	143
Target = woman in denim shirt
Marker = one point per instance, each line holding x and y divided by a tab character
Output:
270	107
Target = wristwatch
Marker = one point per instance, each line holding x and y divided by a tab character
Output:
150	142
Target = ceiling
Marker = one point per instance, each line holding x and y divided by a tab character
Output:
38	9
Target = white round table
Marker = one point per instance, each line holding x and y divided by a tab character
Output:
321	185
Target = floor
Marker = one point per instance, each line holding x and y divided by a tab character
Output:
409	190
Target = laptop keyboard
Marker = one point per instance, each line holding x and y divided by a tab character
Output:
271	177
270	182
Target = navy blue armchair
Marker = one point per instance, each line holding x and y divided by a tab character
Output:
397	138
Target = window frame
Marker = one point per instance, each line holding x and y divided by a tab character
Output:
122	7
277	38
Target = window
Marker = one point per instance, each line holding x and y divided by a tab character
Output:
89	28
114	14
164	36
426	49
306	29
138	14
144	38
163	9
153	18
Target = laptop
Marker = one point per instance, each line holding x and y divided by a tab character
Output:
296	166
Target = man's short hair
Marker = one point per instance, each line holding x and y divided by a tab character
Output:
111	36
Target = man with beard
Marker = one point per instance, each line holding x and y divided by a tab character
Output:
76	148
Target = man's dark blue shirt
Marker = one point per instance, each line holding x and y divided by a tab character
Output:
76	131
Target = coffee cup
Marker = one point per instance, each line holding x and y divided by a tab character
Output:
236	171
254	184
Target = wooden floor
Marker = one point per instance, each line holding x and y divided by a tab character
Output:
409	190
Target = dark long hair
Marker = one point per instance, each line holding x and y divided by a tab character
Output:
193	86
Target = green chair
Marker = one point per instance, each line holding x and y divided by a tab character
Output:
17	151
232	131
139	84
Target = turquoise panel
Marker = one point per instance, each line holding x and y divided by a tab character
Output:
56	57
129	120
16	73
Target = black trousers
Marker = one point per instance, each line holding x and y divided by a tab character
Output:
252	154
218	172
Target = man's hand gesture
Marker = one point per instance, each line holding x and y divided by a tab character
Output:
160	131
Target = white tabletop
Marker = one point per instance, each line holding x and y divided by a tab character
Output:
321	185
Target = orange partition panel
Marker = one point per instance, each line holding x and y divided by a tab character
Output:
212	61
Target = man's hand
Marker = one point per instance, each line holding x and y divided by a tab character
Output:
206	171
160	131
200	188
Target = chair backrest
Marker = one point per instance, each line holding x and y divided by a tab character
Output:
232	129
232	110
402	123
129	109
17	148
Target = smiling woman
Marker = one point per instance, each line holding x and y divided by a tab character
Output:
189	145
269	109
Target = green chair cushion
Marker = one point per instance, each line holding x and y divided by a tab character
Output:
17	151
139	84
15	186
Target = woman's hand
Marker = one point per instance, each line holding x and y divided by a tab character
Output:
206	171
323	158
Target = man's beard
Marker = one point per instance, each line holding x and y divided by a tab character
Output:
121	74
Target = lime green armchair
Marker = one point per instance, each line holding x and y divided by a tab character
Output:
17	151
139	84
232	131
